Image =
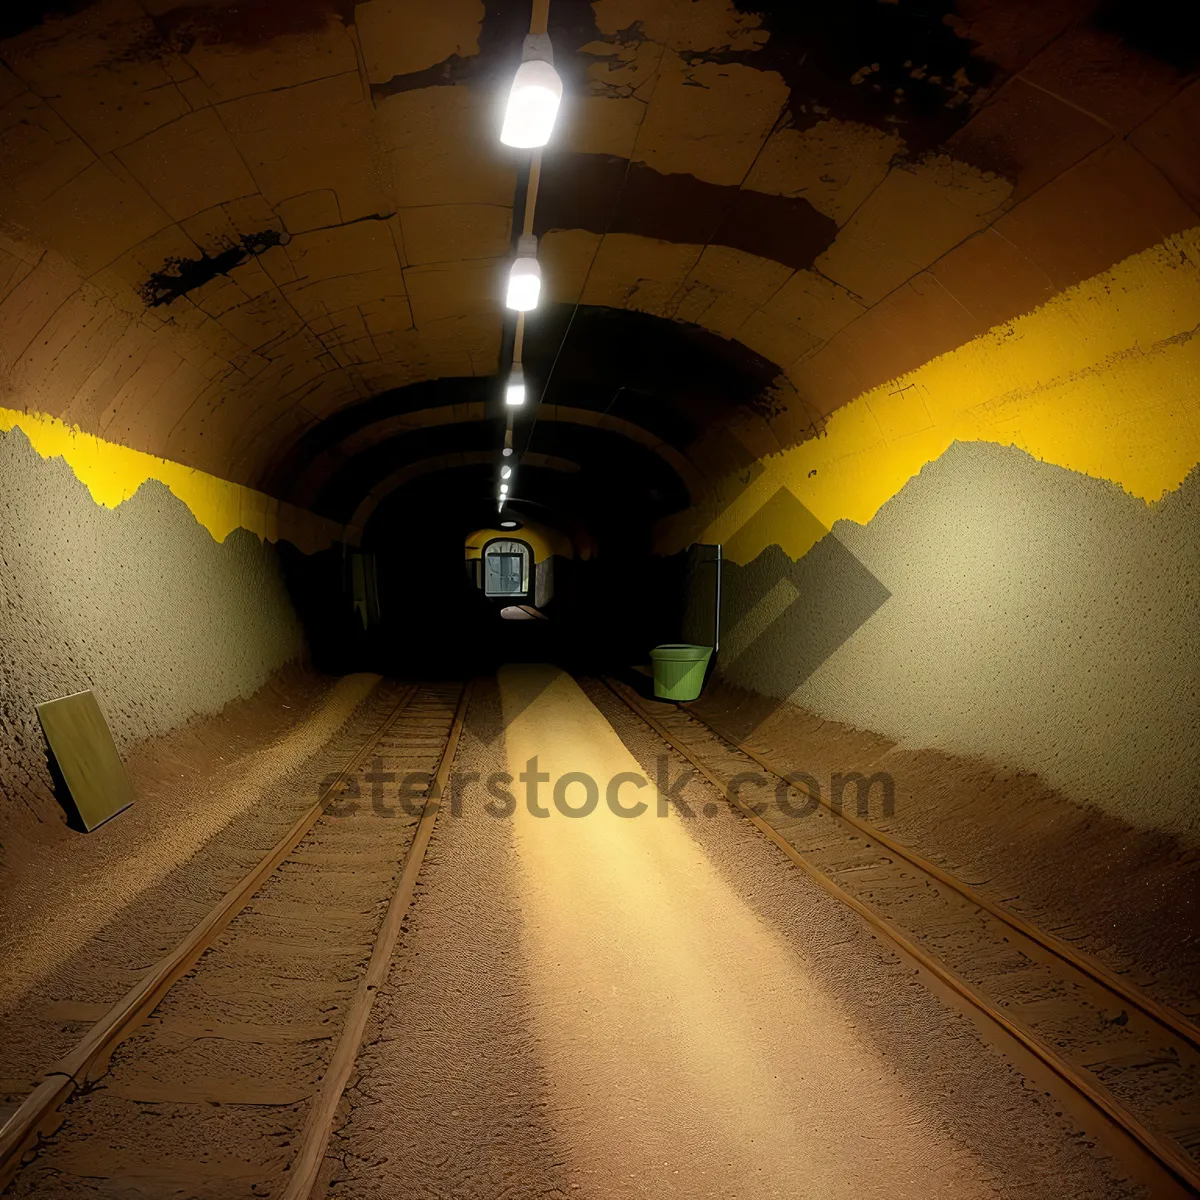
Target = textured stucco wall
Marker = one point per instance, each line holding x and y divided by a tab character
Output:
137	602
113	473
1101	379
1003	607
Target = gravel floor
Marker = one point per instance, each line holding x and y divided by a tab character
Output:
607	1007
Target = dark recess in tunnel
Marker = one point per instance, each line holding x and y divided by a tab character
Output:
671	369
672	379
671	382
606	611
639	482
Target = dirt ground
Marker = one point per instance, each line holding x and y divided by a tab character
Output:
1130	897
86	915
208	1099
607	1007
595	1007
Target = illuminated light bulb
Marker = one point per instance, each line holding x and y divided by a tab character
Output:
506	452
525	276
514	393
504	489
533	101
505	472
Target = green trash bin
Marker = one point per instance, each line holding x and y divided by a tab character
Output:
679	670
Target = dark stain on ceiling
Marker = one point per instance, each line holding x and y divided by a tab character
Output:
450	72
899	66
1168	31
19	16
244	24
604	194
501	36
182	275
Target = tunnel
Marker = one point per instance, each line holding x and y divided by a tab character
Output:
599	599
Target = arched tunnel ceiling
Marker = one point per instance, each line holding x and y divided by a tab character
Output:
657	384
256	237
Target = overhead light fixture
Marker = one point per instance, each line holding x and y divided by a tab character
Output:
510	524
534	98
507	451
505	472
503	489
525	276
514	394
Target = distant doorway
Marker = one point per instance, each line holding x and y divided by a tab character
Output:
506	568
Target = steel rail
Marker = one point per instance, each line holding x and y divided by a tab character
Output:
306	1167
1183	1169
38	1113
1176	1022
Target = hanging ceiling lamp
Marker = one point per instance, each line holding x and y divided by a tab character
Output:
535	96
514	393
525	277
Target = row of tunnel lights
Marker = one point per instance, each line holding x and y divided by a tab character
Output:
529	117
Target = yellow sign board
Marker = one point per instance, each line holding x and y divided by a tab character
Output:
86	757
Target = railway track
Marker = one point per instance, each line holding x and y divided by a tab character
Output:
1130	1059
221	1072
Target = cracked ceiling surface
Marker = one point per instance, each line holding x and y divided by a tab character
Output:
268	239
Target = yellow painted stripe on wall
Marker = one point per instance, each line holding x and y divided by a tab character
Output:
113	473
1104	379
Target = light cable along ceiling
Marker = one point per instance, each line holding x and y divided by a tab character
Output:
529	117
267	240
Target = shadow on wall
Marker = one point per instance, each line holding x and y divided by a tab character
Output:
321	590
783	619
1003	607
137	603
434	622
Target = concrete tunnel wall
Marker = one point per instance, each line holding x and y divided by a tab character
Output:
1001	608
998	555
137	601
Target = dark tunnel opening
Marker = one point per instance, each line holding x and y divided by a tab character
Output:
608	599
595	467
